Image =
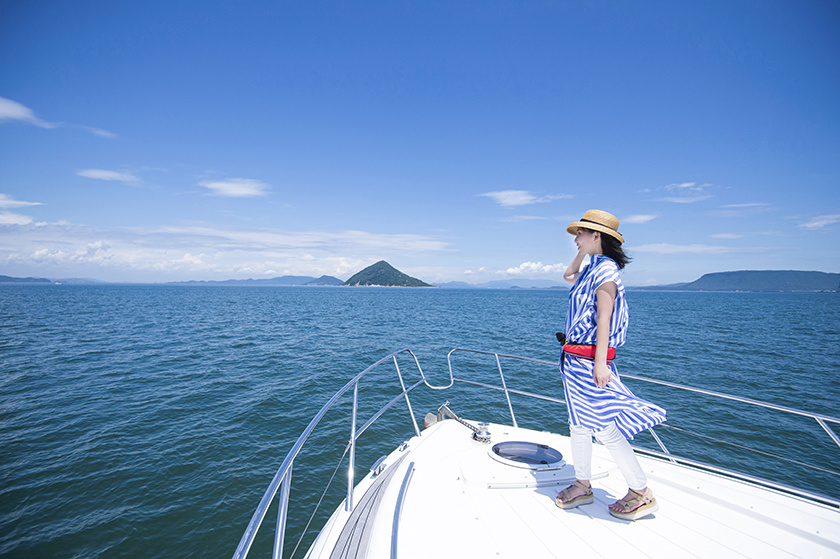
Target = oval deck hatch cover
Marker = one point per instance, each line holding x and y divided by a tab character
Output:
525	454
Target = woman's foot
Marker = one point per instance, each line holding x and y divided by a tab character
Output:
579	493
634	505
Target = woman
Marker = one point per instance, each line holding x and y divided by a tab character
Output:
597	401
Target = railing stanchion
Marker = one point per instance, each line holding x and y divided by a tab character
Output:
279	534
507	394
348	505
828	430
407	401
661	444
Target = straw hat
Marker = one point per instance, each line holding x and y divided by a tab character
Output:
597	220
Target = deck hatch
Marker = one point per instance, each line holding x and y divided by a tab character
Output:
526	454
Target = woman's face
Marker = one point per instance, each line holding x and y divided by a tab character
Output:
588	241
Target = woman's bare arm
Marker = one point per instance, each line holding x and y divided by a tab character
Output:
605	301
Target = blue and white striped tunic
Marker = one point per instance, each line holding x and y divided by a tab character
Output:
590	406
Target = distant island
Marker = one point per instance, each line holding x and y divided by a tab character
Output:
385	275
517	283
9	279
268	282
760	280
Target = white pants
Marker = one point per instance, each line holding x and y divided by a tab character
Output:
618	446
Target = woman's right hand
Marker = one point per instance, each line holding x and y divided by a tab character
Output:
601	374
573	269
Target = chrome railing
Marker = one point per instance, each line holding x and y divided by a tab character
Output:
283	478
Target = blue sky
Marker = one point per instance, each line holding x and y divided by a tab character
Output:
155	141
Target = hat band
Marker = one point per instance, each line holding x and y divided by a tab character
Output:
601	224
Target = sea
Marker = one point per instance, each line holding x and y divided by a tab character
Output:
148	420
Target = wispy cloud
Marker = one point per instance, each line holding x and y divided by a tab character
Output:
536	268
686	193
518	218
739	210
514	198
685	199
236	188
686	187
12	110
638	219
11	218
98	132
820	221
276	240
747	205
726	236
478	271
105	175
7	201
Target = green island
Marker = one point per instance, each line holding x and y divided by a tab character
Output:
760	280
385	275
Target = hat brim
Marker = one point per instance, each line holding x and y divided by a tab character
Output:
573	229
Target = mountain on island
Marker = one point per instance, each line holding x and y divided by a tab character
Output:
9	279
761	280
326	280
385	275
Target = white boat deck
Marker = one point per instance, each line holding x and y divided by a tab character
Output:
462	503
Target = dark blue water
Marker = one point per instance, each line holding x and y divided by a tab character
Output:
142	421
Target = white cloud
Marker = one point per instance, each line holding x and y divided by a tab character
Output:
746	205
338	241
7	201
685	199
740	210
536	268
638	219
102	174
684	186
820	221
511	198
97	252
518	218
686	193
99	132
12	110
9	218
514	198
236	188
726	236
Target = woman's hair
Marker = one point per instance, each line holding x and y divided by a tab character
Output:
612	249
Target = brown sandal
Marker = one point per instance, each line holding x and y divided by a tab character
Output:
565	501
636	505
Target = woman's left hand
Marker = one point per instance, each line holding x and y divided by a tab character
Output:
601	374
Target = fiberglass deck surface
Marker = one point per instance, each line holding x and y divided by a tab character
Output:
461	503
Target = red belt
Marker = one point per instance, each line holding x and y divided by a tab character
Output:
587	351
